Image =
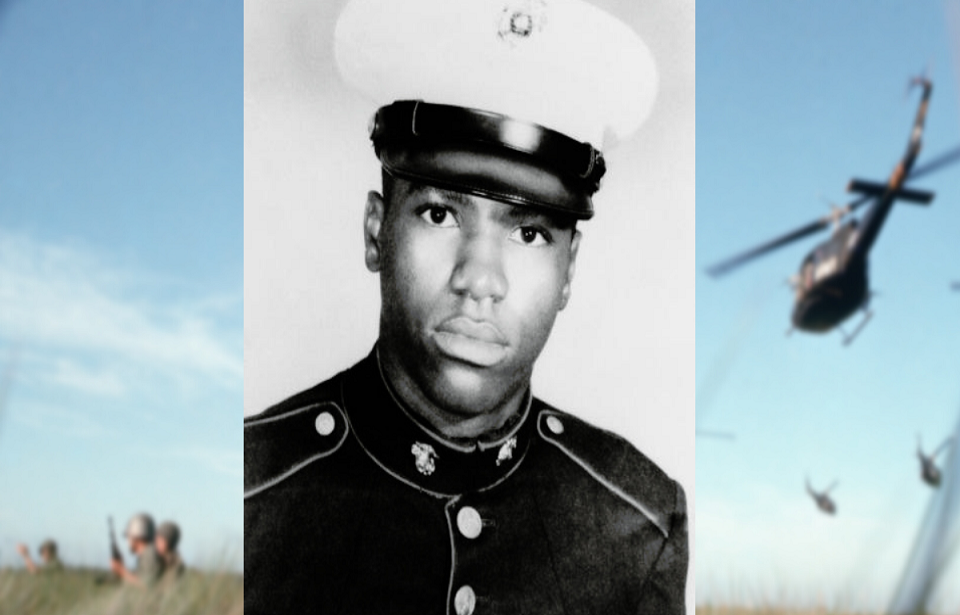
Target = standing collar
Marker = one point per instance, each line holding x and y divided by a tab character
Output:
415	454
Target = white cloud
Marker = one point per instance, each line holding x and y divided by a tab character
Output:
66	299
94	381
219	460
51	419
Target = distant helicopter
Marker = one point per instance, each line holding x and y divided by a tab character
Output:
832	282
929	471
823	500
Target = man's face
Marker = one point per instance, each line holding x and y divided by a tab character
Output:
470	290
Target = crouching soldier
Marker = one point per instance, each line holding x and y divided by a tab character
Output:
168	537
140	533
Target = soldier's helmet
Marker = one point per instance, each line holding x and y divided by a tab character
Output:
170	532
141	527
48	546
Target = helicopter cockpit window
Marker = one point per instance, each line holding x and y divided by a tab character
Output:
806	277
825	267
852	237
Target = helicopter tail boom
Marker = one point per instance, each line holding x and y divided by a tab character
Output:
876	189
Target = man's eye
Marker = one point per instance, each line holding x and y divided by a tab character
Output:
530	236
439	216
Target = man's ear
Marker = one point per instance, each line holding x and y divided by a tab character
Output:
571	269
372	223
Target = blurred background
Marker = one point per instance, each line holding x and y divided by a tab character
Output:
121	273
794	100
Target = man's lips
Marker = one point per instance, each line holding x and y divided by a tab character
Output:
477	342
479	330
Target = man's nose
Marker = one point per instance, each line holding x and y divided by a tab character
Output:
479	272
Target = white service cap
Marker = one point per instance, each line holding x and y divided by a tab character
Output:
562	64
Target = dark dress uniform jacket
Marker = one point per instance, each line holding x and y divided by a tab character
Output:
352	506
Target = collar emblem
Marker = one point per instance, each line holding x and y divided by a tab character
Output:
506	451
425	458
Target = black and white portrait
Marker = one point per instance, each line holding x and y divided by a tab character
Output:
469	306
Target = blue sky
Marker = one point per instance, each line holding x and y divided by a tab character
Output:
794	99
121	272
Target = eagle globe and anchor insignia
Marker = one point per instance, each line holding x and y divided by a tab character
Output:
425	458
521	18
506	451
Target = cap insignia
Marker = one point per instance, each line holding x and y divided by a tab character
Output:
506	451
425	458
519	20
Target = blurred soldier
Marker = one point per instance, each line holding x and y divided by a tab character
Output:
140	534
428	478
168	537
48	556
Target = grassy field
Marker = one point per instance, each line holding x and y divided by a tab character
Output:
739	610
76	592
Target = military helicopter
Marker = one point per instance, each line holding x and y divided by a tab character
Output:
929	471
824	502
832	282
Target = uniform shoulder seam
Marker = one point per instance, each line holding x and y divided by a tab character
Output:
259	419
326	391
296	467
661	521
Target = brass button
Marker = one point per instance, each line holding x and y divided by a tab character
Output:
469	522
465	601
555	425
325	423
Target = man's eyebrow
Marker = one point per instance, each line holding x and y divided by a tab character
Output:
514	214
420	190
518	214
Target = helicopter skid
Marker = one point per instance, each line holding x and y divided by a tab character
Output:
848	339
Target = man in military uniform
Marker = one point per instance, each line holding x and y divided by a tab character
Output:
50	561
140	534
166	541
427	478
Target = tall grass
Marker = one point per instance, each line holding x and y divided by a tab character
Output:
76	592
769	610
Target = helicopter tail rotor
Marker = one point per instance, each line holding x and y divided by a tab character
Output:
921	80
918	81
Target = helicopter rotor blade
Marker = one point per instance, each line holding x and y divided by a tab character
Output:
816	226
944	159
940	448
743	258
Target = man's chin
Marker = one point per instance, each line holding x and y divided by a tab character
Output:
469	390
